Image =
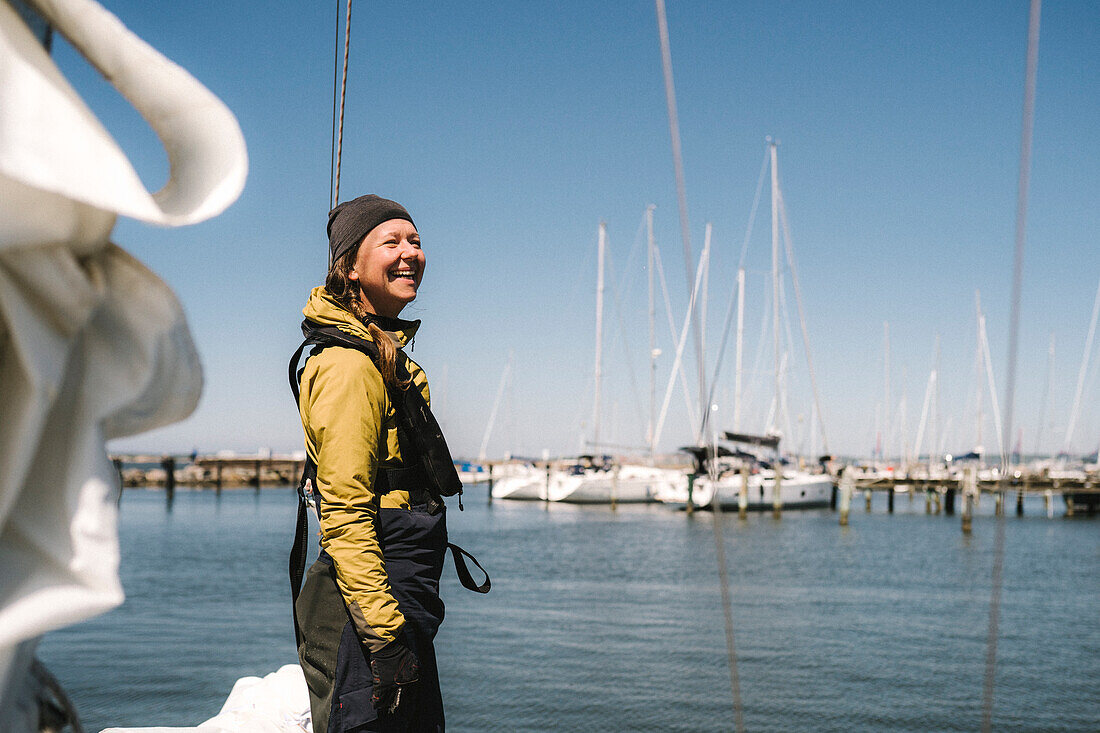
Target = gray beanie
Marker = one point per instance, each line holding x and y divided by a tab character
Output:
352	220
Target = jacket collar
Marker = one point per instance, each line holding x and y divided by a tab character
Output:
322	308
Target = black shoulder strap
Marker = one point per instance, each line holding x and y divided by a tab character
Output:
417	428
309	478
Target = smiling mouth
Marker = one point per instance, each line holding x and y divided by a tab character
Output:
404	274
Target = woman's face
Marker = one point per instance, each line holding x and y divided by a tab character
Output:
389	267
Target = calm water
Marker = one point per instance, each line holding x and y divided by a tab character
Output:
612	620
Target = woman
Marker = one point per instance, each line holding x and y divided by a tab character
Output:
369	607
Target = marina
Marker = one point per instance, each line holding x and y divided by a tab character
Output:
723	529
876	626
612	483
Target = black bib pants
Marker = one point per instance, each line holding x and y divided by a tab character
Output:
337	666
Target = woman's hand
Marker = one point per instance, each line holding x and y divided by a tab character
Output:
393	667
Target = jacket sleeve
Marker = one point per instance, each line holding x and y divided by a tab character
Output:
344	405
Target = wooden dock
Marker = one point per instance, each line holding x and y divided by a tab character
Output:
1080	493
208	471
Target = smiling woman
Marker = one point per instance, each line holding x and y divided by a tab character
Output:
369	608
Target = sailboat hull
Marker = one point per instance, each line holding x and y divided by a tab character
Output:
625	485
797	490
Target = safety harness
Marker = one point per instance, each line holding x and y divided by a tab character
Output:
428	474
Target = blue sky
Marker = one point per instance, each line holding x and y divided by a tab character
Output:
510	130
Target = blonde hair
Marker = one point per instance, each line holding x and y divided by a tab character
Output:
346	292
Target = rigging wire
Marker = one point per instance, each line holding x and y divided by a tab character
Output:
343	96
802	320
1017	281
736	291
681	187
689	405
335	96
623	339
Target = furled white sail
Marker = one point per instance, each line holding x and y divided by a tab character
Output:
93	345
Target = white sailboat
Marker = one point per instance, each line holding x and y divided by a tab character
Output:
722	478
599	479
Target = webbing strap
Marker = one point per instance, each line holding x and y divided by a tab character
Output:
464	577
298	550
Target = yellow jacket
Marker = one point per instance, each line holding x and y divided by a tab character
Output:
350	431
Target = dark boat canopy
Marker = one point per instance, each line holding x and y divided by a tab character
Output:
703	454
764	441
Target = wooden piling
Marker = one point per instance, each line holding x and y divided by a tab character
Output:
846	484
777	492
615	486
832	498
1020	500
867	498
259	468
169	465
546	491
743	496
218	478
969	488
949	502
890	499
1048	503
489	493
999	502
691	494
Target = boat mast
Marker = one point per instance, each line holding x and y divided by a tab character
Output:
705	397
886	402
979	448
937	438
599	332
481	454
1046	397
740	345
775	270
652	330
1075	410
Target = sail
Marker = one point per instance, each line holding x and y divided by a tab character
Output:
93	345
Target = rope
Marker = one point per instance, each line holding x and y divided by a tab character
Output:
335	95
723	576
1017	281
343	95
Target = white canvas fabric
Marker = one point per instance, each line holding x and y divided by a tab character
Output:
277	703
93	345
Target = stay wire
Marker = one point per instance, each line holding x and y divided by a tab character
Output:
335	96
734	292
630	372
343	96
681	187
1017	282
